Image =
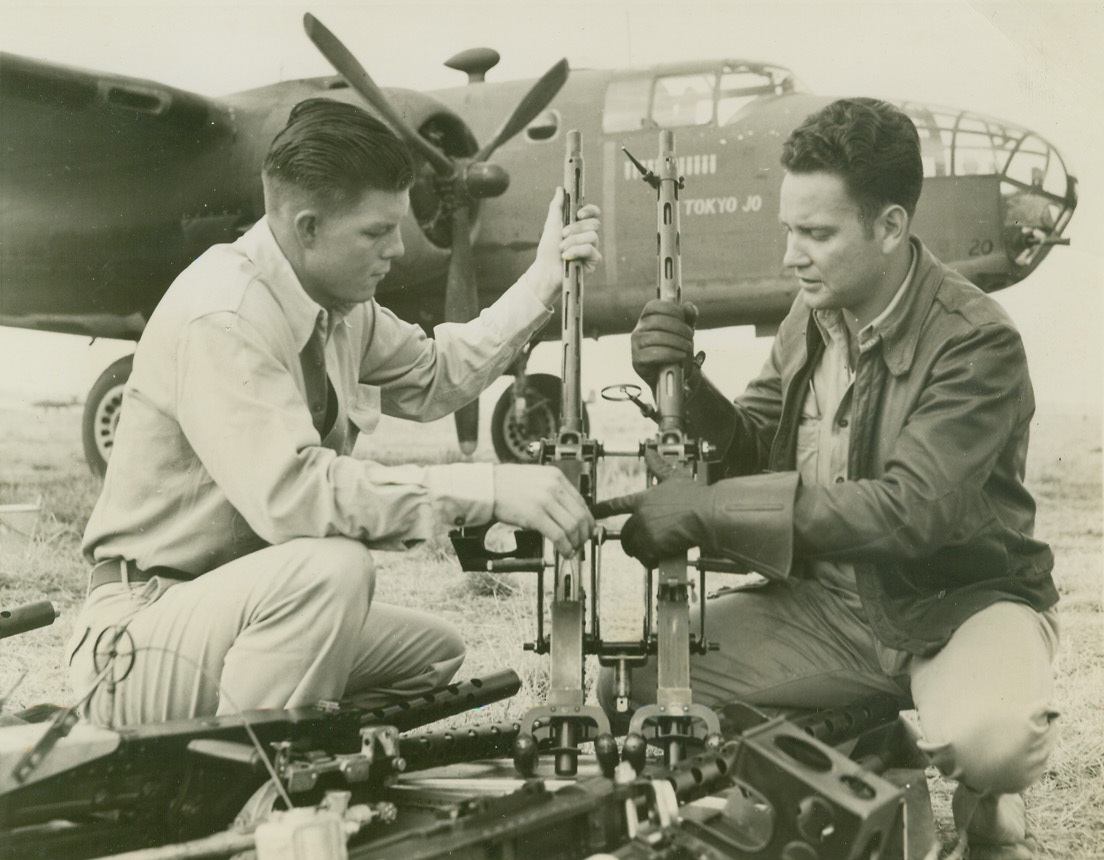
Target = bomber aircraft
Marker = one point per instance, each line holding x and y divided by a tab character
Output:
110	186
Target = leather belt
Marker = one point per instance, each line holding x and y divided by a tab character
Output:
125	570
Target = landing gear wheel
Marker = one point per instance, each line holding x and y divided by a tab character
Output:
101	414
541	419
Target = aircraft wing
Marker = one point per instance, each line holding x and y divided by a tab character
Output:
94	163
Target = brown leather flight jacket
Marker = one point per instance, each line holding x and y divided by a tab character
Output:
934	514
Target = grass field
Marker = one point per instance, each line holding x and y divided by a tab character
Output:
40	458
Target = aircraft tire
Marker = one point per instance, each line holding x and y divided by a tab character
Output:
510	437
101	413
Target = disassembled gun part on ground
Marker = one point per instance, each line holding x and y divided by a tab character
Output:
24	618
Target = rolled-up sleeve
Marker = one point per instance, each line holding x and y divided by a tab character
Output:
246	422
423	378
244	416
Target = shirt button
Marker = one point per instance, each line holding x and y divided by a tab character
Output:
459	521
843	422
839	479
317	407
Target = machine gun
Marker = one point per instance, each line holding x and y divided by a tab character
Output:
565	720
71	790
24	618
674	453
673	721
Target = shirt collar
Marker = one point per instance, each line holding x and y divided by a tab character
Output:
873	329
302	312
832	327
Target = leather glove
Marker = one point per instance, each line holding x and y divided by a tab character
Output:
667	520
664	335
748	519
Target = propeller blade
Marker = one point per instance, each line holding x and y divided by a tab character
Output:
467	427
461	305
350	68
536	100
461	294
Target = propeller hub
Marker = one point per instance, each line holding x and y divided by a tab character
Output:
484	180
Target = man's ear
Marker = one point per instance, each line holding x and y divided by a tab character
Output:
894	224
306	227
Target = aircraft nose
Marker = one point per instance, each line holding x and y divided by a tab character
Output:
1040	195
996	196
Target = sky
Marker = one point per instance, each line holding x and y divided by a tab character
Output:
1032	63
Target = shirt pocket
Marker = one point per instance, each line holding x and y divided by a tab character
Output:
364	411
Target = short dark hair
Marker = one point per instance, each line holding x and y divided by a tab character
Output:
336	152
872	146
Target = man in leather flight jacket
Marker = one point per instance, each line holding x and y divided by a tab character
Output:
874	473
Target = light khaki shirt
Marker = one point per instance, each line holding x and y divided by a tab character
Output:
216	454
824	434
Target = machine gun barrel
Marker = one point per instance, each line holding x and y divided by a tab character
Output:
571	413
451	746
440	704
669	384
673	661
24	618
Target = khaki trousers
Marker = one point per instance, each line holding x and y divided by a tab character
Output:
287	626
984	701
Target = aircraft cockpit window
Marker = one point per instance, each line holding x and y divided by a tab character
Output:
626	107
742	86
693	98
961	144
980	147
682	100
1037	194
1036	165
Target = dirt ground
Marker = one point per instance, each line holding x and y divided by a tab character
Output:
40	460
